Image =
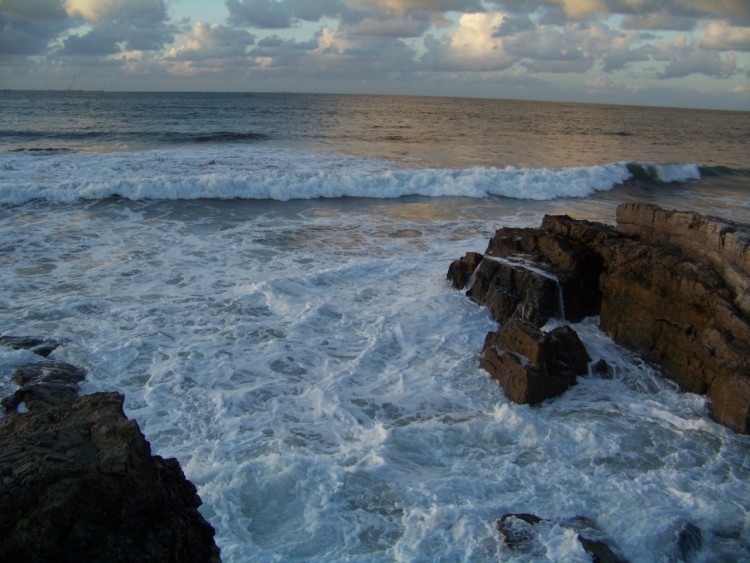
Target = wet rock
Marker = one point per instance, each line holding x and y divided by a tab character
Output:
574	265
461	270
672	286
515	290
49	372
601	368
80	484
520	534
43	385
688	541
532	365
41	346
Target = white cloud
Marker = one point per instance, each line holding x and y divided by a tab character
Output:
95	11
473	45
211	41
721	36
698	61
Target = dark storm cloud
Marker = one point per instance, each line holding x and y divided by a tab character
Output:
27	37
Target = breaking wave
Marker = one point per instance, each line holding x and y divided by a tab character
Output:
282	174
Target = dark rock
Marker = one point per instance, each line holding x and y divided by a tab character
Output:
48	372
460	271
601	368
43	385
519	535
41	346
554	249
79	483
688	541
532	365
672	286
515	290
40	396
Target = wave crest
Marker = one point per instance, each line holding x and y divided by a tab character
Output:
236	172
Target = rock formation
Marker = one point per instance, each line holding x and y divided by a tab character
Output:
78	481
519	534
533	365
672	286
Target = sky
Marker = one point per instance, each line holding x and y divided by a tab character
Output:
684	53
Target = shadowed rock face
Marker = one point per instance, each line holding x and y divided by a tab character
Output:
672	286
78	481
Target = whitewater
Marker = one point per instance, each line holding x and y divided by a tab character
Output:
277	315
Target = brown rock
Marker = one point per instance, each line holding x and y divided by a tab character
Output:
460	271
672	286
721	244
532	365
515	290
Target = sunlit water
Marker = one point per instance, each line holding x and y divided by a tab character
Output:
315	375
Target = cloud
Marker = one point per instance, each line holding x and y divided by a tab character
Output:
96	11
36	10
263	14
473	45
22	37
720	36
513	24
405	6
616	59
410	25
739	10
698	61
212	42
661	20
118	25
280	14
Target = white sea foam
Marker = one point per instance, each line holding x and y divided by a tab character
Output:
318	381
284	174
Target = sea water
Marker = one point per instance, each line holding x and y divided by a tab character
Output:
263	277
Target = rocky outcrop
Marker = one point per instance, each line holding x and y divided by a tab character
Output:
669	285
722	244
519	533
78	481
523	533
532	365
44	385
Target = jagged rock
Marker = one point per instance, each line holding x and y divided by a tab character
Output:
48	372
79	483
461	270
574	265
672	286
532	365
41	346
721	244
520	535
515	290
43	385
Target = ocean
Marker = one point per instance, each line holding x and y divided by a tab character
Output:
263	277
